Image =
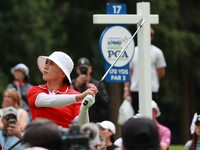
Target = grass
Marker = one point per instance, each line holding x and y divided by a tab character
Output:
176	147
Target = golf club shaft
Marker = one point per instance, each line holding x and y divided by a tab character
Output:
20	140
142	21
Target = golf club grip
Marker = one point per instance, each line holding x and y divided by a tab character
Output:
99	83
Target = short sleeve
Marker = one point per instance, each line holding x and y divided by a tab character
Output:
166	138
160	62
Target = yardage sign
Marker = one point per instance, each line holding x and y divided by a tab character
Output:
112	41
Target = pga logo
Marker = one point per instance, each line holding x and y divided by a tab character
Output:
112	42
112	53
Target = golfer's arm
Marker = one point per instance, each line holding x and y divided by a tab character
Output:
82	118
45	100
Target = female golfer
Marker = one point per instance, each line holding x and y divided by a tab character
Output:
56	100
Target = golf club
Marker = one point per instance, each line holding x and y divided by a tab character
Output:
140	23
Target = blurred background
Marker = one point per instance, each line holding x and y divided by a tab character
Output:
32	28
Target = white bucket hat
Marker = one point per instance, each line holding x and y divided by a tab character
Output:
61	59
21	67
108	125
155	106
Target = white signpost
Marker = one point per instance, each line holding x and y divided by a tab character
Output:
143	12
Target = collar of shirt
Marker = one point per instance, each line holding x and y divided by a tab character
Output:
18	83
3	133
62	90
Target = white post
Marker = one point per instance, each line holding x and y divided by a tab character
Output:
144	42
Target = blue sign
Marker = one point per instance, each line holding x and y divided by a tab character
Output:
117	74
112	42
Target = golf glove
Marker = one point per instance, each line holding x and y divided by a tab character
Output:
88	101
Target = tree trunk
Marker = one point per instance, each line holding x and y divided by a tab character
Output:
115	95
188	101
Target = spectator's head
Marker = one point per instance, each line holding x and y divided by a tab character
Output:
62	60
83	66
9	116
107	130
43	133
20	72
155	109
140	134
11	97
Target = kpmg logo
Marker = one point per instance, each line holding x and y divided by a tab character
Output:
115	45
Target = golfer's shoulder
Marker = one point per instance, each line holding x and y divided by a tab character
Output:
34	89
72	91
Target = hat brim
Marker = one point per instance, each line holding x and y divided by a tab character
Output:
105	126
41	63
102	125
83	66
12	70
9	113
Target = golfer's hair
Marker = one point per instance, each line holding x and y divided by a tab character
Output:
66	81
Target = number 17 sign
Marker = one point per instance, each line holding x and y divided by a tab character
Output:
113	8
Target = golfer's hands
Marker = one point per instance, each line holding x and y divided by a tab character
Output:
92	91
14	130
88	101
